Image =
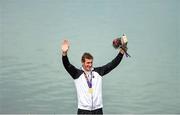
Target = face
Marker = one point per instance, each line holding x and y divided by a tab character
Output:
87	65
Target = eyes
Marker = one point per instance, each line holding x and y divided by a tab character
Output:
88	61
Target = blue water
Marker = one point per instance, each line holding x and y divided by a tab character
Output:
33	80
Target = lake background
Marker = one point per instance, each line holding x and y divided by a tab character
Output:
33	80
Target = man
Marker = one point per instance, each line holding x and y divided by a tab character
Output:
88	80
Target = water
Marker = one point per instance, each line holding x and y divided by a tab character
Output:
33	80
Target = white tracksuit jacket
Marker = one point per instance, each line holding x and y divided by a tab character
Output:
88	101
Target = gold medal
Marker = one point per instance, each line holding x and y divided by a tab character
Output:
90	90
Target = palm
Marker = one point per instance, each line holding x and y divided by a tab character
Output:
65	46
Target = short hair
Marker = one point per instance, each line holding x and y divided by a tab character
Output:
86	55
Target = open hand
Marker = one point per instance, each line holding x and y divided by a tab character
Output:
65	47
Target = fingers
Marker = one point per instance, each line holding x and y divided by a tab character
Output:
66	42
65	47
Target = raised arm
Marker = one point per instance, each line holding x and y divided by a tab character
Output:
72	70
103	70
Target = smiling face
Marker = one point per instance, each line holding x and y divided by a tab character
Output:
87	64
87	61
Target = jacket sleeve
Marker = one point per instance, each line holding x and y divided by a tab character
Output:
103	70
72	70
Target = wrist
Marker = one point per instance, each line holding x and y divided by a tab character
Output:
64	53
121	51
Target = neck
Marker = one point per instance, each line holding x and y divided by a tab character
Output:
86	71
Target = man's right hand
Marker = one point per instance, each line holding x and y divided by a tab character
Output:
65	47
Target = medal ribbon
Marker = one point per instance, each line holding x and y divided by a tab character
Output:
89	82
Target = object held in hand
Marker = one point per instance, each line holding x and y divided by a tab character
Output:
121	43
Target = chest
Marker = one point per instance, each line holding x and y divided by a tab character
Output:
94	78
